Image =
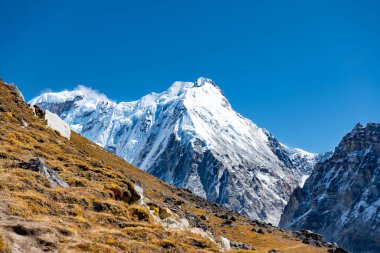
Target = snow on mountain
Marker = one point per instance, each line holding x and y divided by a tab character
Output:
190	136
341	198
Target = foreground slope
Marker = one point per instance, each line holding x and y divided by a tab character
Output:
85	199
341	199
190	136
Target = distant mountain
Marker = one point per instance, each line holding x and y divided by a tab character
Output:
341	198
190	136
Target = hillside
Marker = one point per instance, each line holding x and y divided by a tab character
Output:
98	205
191	137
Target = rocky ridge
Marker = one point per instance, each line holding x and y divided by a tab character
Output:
341	198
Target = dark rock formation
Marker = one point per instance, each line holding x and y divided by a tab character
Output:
341	199
38	165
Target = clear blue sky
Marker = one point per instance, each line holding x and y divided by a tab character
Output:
308	71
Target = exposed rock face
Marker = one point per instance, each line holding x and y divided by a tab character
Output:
19	95
190	136
341	198
38	165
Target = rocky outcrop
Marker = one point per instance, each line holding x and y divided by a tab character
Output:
38	165
56	123
129	194
341	198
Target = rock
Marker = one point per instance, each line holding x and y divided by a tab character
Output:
273	251
242	245
228	223
204	226
17	92
310	234
337	250
331	245
56	123
309	237
261	231
298	235
203	217
227	217
198	244
225	243
171	223
205	234
164	213
308	241
178	202
129	194
139	192
38	165
192	218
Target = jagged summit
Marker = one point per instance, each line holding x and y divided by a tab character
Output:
190	136
341	198
361	137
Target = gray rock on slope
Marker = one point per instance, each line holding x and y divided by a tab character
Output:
38	165
341	198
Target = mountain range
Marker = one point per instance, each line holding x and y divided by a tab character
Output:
190	136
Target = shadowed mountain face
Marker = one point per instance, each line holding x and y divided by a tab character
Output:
341	198
190	136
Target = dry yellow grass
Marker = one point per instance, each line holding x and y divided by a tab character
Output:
90	216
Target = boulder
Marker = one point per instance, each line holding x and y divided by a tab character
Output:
228	223
241	245
203	217
128	194
164	213
337	250
56	123
38	165
261	231
225	243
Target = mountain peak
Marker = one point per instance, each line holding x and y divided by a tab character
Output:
190	136
201	81
80	92
360	139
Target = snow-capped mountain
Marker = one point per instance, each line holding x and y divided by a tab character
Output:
190	136
341	198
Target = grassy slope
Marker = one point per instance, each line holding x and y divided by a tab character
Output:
35	217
